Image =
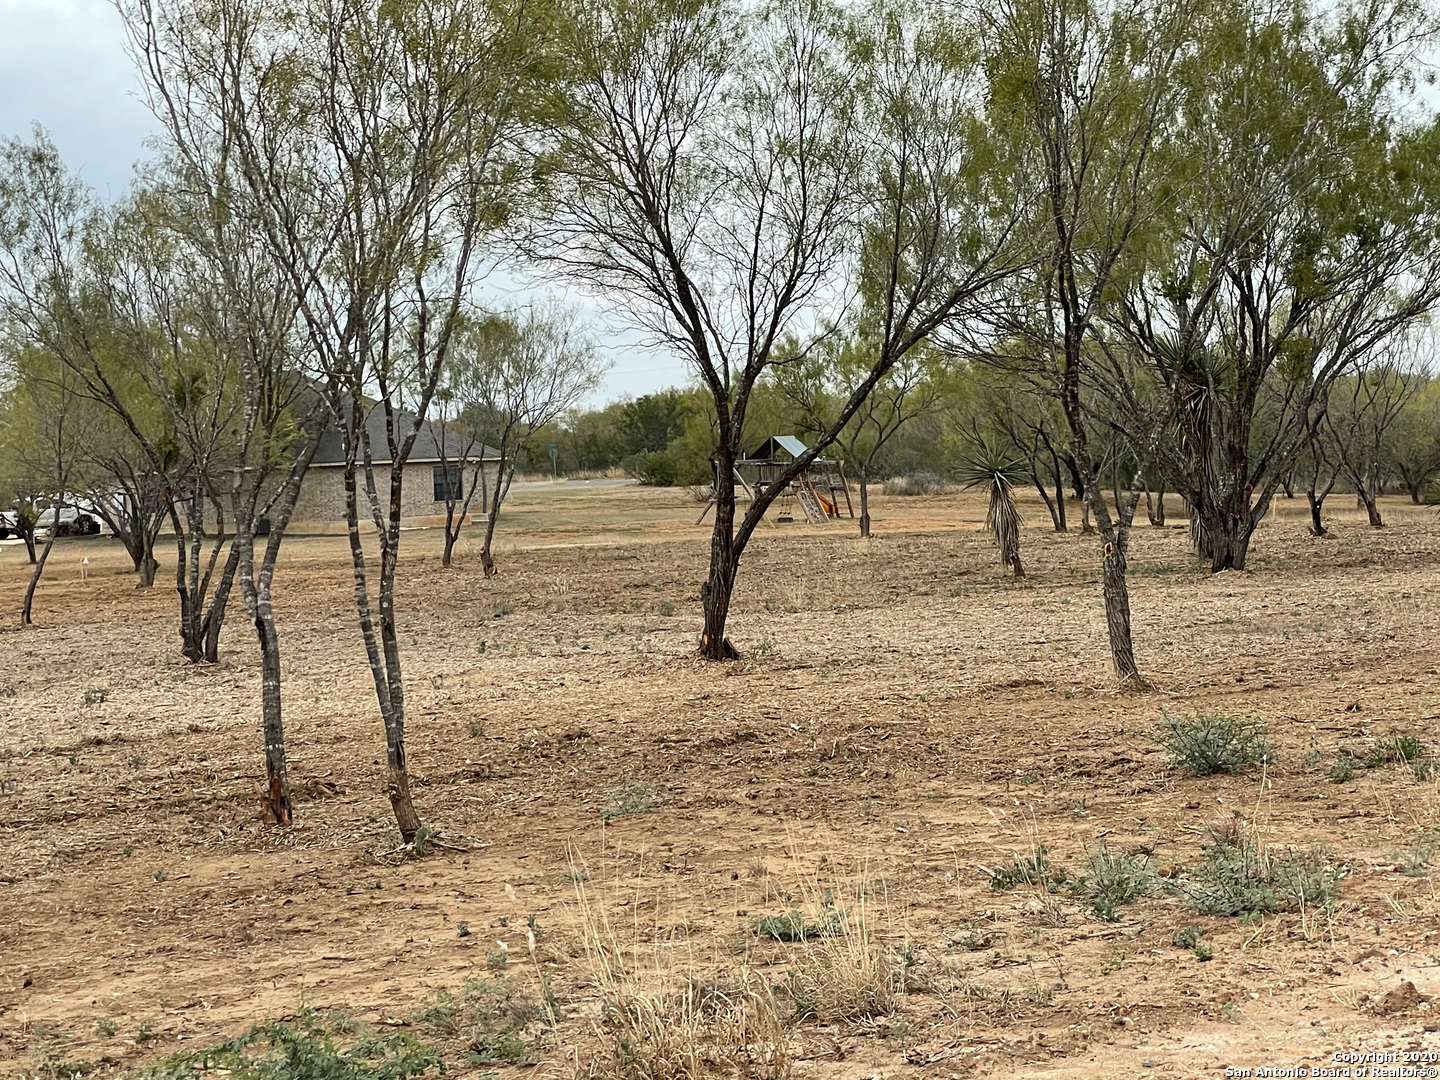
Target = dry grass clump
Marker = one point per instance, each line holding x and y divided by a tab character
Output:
725	1027
847	975
703	1030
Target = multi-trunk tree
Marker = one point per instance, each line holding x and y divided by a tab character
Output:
370	146
1298	234
508	376
730	176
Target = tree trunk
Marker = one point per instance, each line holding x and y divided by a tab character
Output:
1115	533
215	617
1156	510
720	585
1117	617
487	559
1225	532
28	535
1049	503
147	569
452	533
26	605
1372	508
1317	503
864	501
275	805
502	488
386	673
1060	524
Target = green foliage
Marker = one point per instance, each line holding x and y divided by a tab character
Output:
1242	877
1113	881
313	1046
1344	769
489	1018
1214	742
1034	869
794	925
654	469
631	797
1388	748
1414	861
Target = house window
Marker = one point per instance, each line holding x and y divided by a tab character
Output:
449	483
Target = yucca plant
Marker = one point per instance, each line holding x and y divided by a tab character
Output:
989	466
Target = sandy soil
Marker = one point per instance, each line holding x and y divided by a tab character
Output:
907	718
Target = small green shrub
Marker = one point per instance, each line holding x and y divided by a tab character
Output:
1388	748
96	695
1239	876
1034	869
795	926
1214	742
488	1017
1344	769
310	1047
1188	937
631	797
1415	861
1112	881
665	608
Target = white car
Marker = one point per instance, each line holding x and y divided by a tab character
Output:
73	522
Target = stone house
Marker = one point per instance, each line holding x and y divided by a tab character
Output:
440	461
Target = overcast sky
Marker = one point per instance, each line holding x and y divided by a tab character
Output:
63	65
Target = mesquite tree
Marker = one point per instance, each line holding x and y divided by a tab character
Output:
509	376
41	424
823	383
370	147
728	176
1303	238
1091	86
54	291
158	295
1359	415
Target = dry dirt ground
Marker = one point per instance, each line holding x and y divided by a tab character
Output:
907	719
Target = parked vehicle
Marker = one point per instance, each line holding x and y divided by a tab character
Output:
73	522
7	525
